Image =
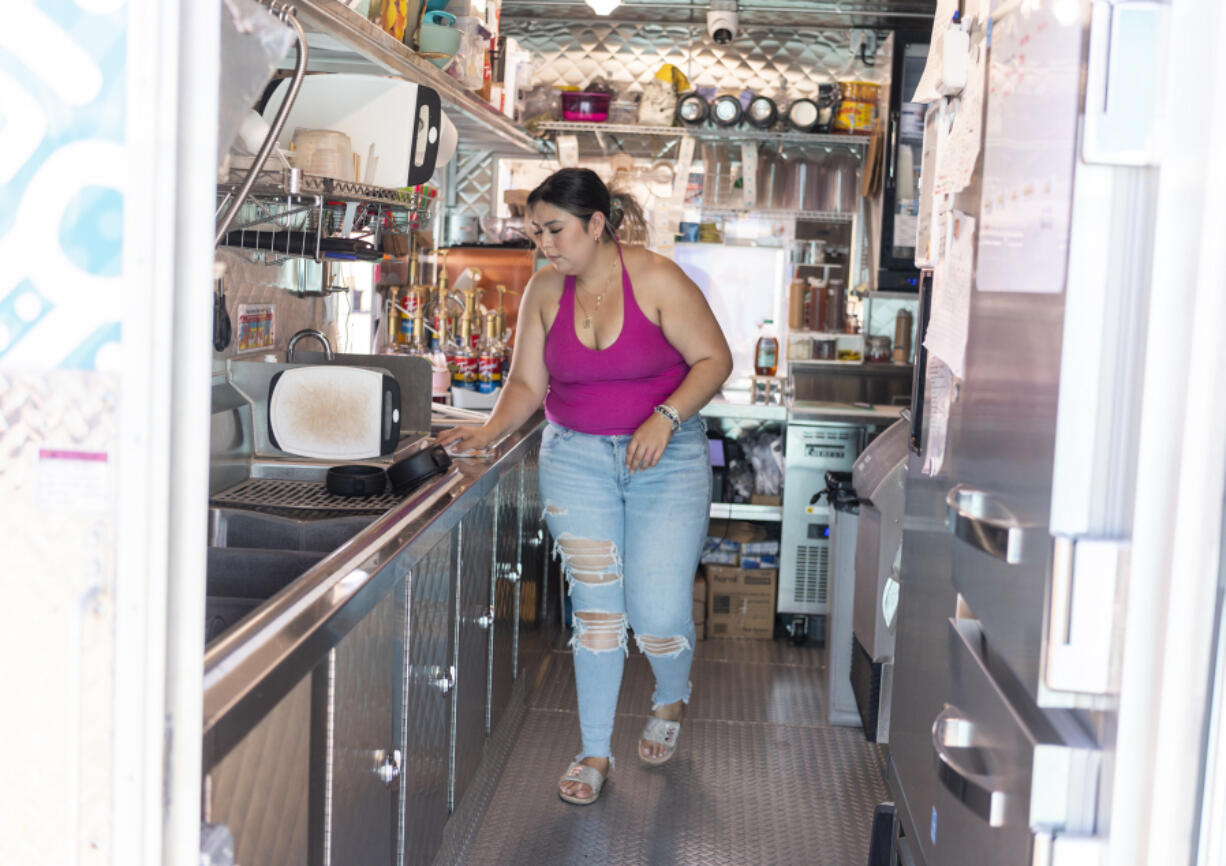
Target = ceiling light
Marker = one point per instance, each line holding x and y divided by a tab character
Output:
603	7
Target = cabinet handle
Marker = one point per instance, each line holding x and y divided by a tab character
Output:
388	770
442	678
486	619
979	519
975	790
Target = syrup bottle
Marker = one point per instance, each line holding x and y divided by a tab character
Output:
766	351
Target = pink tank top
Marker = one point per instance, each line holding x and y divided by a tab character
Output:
609	392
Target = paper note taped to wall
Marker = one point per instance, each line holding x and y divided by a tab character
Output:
938	390
961	152
951	294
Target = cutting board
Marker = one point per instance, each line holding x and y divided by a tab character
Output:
334	413
401	119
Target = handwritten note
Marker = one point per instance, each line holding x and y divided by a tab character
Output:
951	294
961	153
938	388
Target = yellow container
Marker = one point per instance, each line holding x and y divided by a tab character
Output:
855	117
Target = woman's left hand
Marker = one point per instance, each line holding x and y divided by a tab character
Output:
648	443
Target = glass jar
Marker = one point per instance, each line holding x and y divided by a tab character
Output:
877	349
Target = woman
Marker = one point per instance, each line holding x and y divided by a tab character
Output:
623	350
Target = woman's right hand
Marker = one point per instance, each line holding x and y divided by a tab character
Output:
467	438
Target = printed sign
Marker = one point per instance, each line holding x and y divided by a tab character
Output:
256	327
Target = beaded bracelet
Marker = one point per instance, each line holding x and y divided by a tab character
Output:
673	416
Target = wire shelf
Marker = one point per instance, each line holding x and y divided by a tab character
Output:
855	143
298	215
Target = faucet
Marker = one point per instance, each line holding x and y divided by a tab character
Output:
307	332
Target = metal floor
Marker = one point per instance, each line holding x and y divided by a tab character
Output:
759	776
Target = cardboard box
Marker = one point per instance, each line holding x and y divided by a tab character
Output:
740	602
729	540
762	499
740	531
759	554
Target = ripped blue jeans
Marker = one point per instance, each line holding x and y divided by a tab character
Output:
630	545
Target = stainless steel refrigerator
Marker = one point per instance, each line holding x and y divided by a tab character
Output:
1020	497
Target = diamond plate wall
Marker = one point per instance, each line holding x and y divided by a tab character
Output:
629	53
474	193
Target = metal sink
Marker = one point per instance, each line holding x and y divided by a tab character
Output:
253	556
236	527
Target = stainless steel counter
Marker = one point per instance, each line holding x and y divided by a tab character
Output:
247	670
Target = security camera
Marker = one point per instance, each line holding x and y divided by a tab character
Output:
722	22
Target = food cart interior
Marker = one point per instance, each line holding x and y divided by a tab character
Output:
774	218
933	255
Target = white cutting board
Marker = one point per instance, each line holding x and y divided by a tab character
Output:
328	413
369	109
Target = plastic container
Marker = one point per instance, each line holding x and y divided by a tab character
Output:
860	91
840	184
858	108
583	107
323	152
855	117
721	170
766	350
624	111
438	39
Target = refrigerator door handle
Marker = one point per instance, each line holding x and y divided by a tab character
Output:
952	731
982	521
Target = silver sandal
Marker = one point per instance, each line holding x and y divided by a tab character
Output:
584	775
665	733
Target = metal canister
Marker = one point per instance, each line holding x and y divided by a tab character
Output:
904	322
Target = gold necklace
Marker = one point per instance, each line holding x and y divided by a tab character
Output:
587	317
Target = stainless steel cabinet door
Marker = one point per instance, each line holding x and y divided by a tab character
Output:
260	789
534	586
921	655
504	591
367	756
427	696
1006	768
473	619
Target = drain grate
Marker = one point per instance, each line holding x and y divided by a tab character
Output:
299	496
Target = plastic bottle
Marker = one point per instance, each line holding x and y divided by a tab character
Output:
766	352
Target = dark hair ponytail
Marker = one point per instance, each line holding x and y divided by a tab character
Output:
581	192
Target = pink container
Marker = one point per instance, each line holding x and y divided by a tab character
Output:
585	107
